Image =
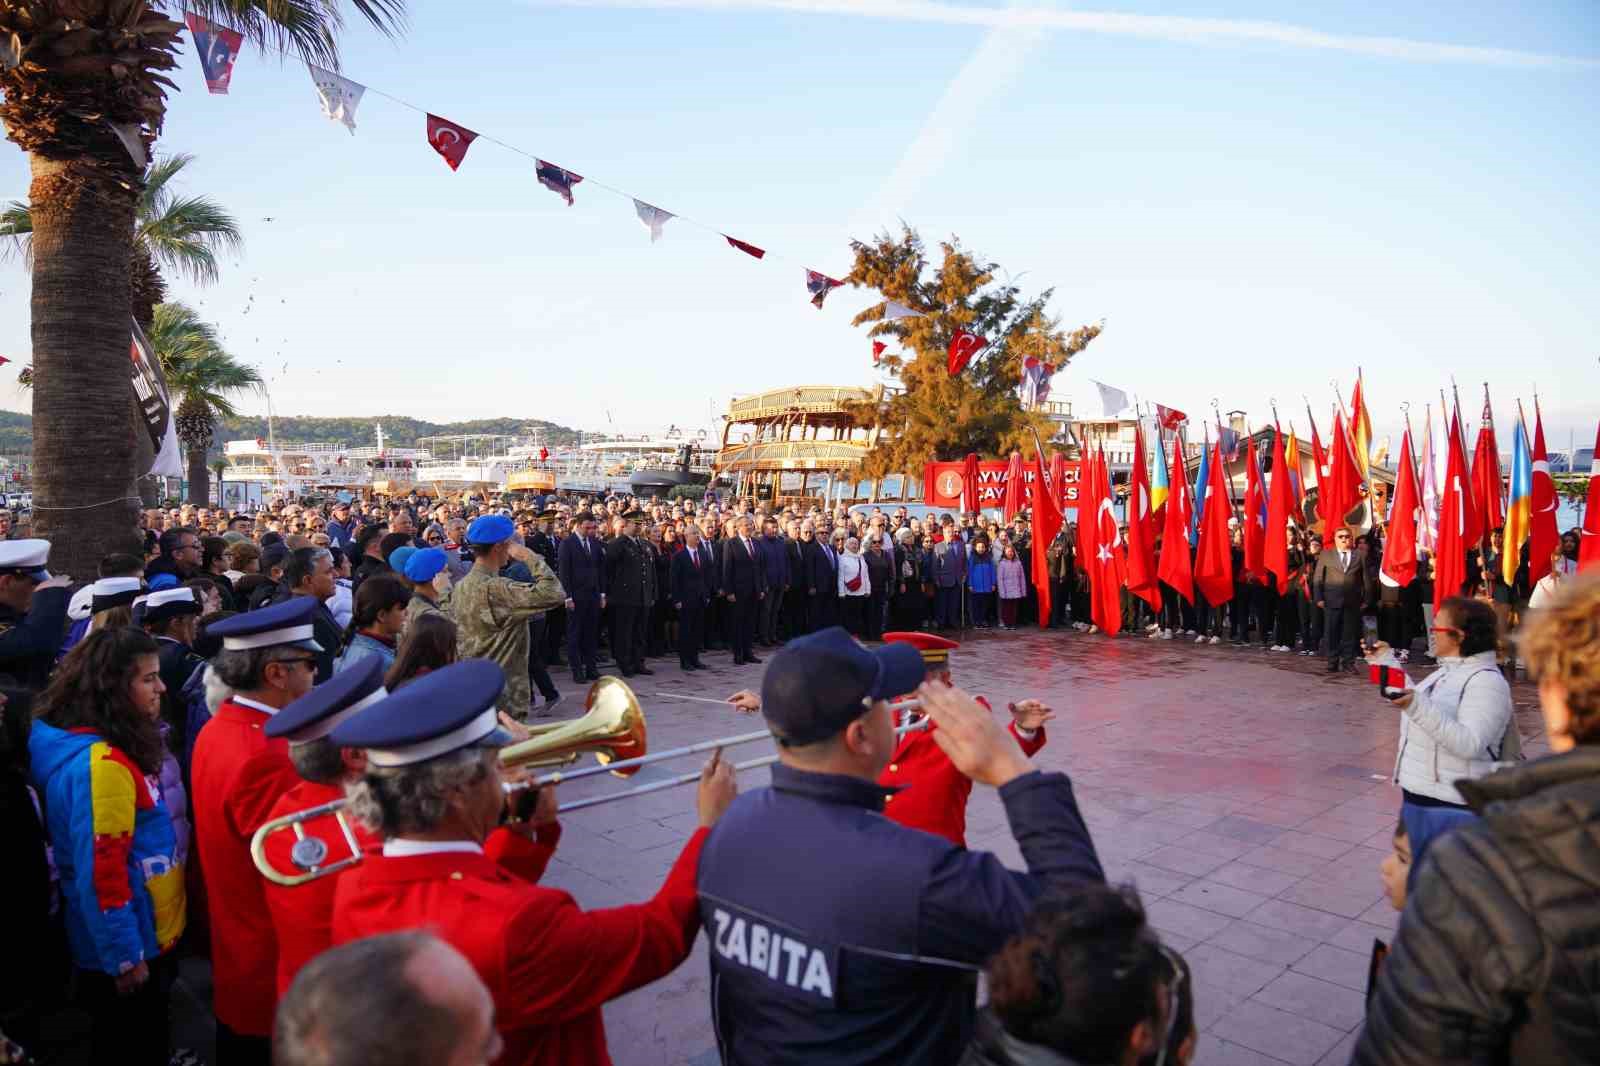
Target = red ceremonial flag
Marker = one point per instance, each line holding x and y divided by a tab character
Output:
963	346
1046	526
1472	517
970	485
1170	417
748	249
877	351
1280	505
1487	490
1319	454
1340	492
1213	563
1058	473
544	453
1543	535
1176	568
1255	517
1400	550
1455	521
1106	566
1141	529
1589	538
449	140
1013	499
4	360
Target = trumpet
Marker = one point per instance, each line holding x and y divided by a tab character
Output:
612	728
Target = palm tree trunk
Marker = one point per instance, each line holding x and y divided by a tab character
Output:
83	428
199	478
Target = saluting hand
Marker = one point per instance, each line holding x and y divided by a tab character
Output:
717	790
1031	714
977	744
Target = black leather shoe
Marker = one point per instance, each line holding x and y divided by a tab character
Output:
753	659
643	669
580	679
1333	667
594	675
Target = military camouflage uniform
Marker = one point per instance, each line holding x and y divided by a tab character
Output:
421	605
491	615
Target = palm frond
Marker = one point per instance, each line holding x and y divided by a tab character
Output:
307	28
196	365
187	233
162	171
16	232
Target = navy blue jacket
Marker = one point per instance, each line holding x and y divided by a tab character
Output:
775	558
821	573
582	573
839	936
691	584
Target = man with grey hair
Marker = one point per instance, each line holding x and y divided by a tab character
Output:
432	789
402	999
309	572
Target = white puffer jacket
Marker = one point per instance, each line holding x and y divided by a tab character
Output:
1453	726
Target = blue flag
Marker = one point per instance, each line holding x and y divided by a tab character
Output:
217	46
1202	479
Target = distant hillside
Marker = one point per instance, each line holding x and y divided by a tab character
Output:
16	430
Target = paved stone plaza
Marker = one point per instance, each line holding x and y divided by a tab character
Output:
1244	792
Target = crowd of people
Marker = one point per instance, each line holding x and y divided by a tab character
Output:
246	667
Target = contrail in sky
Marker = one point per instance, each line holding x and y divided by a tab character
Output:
1153	27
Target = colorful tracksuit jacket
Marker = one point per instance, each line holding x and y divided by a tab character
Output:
115	848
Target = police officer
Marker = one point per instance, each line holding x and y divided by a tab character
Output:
836	934
33	613
491	612
433	789
632	572
170	616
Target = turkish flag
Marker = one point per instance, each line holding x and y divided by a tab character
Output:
963	346
1170	417
1543	535
1589	539
1456	520
1487	489
544	453
1141	529
1013	498
1319	454
748	249
1046	526
1340	492
1107	569
971	485
1176	568
877	351
449	140
1255	517
1213	564
1280	505
1400	550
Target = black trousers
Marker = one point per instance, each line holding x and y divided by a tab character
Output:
628	623
822	611
794	614
131	1028
583	635
237	1049
1343	631
744	612
1264	601
555	636
771	609
691	632
537	672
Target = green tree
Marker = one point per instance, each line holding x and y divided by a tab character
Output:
84	86
938	416
202	373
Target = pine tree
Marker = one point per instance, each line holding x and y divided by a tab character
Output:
938	416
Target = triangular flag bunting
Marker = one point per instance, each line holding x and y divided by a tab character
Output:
217	46
893	311
963	346
653	218
748	249
877	352
819	285
557	180
449	140
339	95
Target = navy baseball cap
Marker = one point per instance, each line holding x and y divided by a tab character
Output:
444	711
317	713
817	685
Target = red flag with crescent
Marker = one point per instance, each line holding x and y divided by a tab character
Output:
963	346
1544	535
544	453
1589	537
744	246
877	351
449	140
1106	564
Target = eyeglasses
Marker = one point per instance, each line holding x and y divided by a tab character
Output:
307	661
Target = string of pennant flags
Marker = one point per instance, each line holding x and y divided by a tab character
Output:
218	47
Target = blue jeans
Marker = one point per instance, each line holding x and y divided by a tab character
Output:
1424	825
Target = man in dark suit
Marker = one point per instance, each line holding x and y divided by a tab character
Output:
580	563
822	578
744	583
794	599
632	591
693	585
1340	587
552	625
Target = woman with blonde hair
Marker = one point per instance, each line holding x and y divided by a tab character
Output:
1497	952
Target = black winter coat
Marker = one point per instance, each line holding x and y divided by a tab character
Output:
1498	955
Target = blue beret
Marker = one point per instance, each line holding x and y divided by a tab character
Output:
441	712
398	558
286	623
490	529
163	581
319	711
425	564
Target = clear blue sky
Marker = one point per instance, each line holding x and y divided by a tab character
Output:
1253	211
